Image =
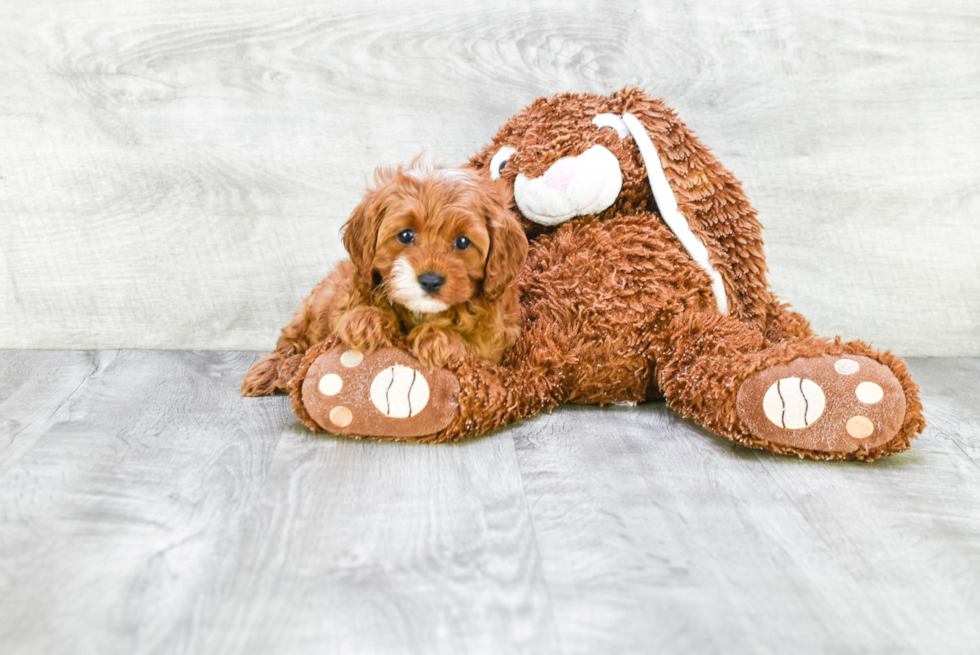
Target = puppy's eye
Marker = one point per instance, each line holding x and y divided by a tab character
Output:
406	237
462	243
499	161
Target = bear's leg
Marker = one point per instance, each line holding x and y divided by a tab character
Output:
805	396
390	395
783	323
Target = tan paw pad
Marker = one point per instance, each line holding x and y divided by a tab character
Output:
860	427
385	394
826	404
341	416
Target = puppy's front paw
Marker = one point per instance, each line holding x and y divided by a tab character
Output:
436	348
366	329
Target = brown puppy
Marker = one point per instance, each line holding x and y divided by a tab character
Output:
434	252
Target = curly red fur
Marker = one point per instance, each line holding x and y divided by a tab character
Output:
614	308
375	299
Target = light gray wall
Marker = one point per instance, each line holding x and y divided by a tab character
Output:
174	174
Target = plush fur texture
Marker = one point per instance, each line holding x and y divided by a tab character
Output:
450	224
613	308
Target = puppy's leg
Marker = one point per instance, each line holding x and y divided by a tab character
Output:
436	346
366	329
311	323
261	379
268	374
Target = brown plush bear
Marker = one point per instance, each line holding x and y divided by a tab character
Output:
645	279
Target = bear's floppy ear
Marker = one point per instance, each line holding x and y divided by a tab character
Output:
508	244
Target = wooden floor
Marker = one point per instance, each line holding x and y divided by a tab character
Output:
146	508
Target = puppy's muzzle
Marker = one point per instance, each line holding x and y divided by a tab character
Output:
431	282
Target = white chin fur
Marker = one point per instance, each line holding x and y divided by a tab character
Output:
427	306
593	179
404	288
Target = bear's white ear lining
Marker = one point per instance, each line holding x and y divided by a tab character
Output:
499	159
667	204
613	121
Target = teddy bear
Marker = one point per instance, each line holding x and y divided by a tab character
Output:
645	279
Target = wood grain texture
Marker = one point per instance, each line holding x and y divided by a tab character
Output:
116	515
146	508
656	537
174	174
31	403
371	548
152	509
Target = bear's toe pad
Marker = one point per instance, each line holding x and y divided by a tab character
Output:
385	394
831	404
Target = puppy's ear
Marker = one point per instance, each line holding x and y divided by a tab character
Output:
508	244
361	233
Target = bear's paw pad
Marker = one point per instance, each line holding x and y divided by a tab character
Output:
385	394
825	404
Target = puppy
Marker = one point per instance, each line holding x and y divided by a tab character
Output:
433	253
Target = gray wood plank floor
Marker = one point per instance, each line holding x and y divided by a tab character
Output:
146	508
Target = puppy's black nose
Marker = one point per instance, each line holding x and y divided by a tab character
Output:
431	282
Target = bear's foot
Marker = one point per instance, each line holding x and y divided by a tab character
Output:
385	394
829	404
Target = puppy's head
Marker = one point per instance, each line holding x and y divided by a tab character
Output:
433	237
